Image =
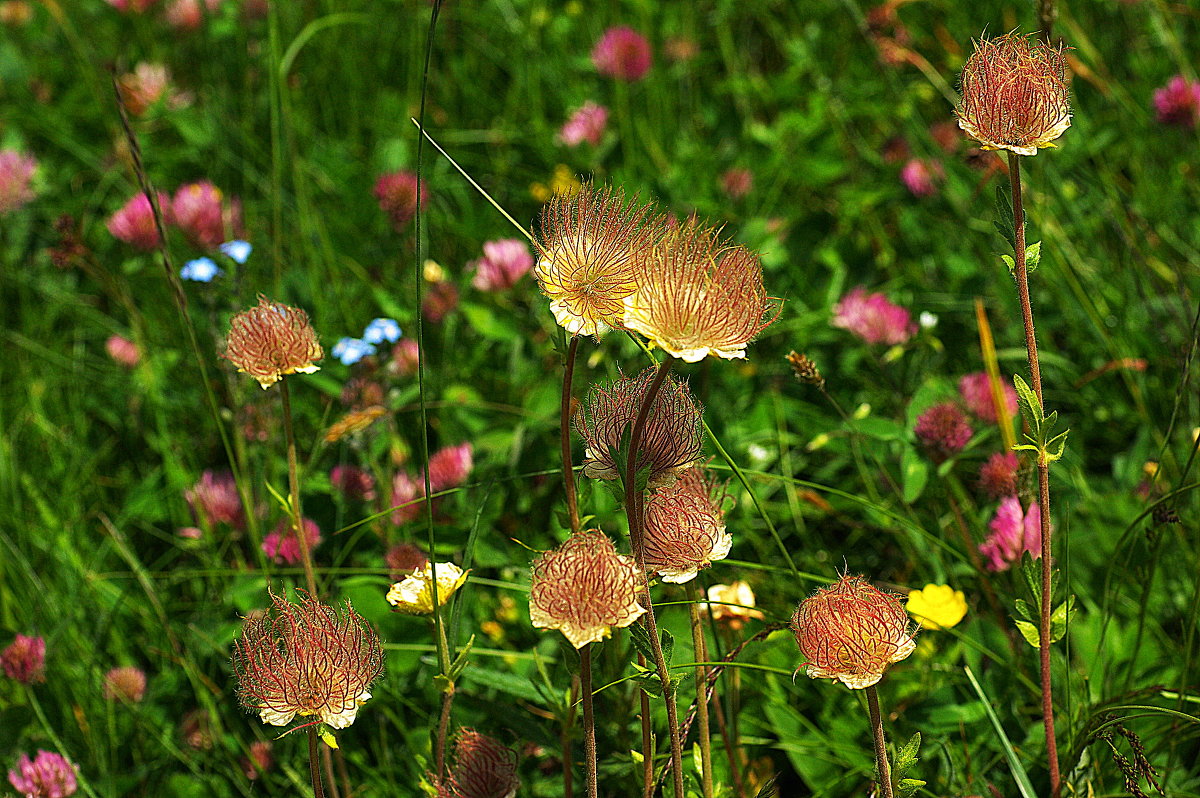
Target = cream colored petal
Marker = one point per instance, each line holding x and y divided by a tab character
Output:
905	645
677	576
275	717
721	547
572	322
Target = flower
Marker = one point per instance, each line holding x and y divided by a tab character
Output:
944	430
405	558
733	604
586	251
200	270
405	356
1178	103
353	482
976	392
237	250
440	300
201	212
671	439
622	53
271	340
125	684
351	350
584	589
306	659
282	544
1014	94
24	659
405	492
998	475
123	351
586	123
16	175
504	262
684	528
354	422
937	606
259	760
397	195
852	632
188	14
737	183
698	296
134	222
448	467
413	595
381	330
195	727
920	177
146	85
49	775
873	318
1013	534
215	500
483	768
136	6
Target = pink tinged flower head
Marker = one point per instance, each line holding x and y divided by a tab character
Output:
1014	94
920	177
397	195
622	53
126	684
134	6
587	123
404	559
259	760
504	262
271	340
976	392
308	660
440	300
24	659
944	430
1014	532
405	356
283	545
145	86
47	775
684	529
215	499
483	768
671	438
852	632
1177	103
584	588
698	296
16	178
873	318
353	482
998	475
586	251
449	467
737	183
123	351
201	212
134	222
405	491
189	14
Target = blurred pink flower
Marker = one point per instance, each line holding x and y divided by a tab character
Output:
405	558
873	318
282	544
134	222
504	262
188	14
215	499
136	6
259	761
123	351
737	183
125	684
622	53
201	212
49	775
440	299
353	482
1178	103
404	490
404	357
146	85
448	468
586	124
24	660
943	429
998	475
397	195
976	392
1013	533
16	174
920	176
190	532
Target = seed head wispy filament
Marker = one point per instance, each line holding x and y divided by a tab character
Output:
671	439
1014	94
306	659
271	340
684	529
483	768
586	250
698	295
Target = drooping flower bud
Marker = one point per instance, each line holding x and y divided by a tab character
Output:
684	528
483	768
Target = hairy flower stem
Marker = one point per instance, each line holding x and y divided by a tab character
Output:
589	722
564	431
1043	471
294	491
314	769
883	770
648	779
633	510
700	652
439	749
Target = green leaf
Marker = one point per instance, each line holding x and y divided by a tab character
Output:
1033	576
668	647
1010	263
1033	256
1056	446
1031	408
914	474
641	641
908	787
1004	222
460	661
1025	611
1030	632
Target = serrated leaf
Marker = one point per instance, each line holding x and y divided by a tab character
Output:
1004	222
908	787
1056	446
1031	408
1033	576
641	641
1030	632
1033	256
1024	610
1010	263
668	647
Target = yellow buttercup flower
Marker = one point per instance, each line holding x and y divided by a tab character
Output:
937	606
414	594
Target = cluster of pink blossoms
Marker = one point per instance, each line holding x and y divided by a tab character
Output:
47	775
873	318
504	262
587	123
283	545
1014	532
24	659
16	178
622	53
200	210
397	195
1178	103
448	468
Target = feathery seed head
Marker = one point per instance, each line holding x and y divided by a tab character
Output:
684	528
483	768
271	340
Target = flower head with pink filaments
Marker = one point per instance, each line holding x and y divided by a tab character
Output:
202	213
16	178
588	244
308	660
699	296
684	527
1014	94
587	123
271	340
944	430
852	632
1178	103
873	318
24	659
584	588
47	775
483	768
1014	532
134	222
671	438
622	53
